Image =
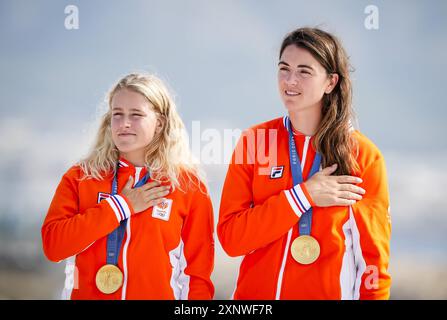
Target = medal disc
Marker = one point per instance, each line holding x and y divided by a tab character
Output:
305	249
109	279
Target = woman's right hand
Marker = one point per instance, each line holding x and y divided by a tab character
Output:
146	196
327	191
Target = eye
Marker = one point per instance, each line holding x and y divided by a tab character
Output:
283	71
117	114
305	74
136	115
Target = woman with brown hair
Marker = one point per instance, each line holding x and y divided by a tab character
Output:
306	232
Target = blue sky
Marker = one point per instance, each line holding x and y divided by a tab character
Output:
219	57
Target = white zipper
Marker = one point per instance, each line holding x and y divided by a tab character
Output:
306	146
137	175
126	245
289	234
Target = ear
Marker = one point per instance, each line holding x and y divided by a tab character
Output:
159	125
333	80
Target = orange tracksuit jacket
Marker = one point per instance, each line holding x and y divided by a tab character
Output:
259	214
161	257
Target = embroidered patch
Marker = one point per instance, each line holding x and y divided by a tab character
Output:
163	210
276	172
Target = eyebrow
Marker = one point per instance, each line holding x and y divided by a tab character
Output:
132	109
299	66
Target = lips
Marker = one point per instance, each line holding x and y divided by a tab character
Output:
291	93
126	134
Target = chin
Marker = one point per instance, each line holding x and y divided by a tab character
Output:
292	106
296	107
125	149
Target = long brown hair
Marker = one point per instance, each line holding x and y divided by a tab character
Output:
333	139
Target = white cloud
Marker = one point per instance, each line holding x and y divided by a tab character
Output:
418	185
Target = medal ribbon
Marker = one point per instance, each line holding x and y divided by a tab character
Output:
305	223
115	239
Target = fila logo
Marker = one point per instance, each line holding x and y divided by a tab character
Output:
102	196
276	172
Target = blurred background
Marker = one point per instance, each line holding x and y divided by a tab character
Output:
219	57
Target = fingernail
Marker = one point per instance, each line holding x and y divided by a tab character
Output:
359	180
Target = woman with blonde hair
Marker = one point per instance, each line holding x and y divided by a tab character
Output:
303	232
134	220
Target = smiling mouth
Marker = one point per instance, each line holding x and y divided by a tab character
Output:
292	93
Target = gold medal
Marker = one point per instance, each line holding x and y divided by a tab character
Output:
109	279
305	249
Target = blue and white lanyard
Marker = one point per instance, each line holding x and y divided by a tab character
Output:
305	223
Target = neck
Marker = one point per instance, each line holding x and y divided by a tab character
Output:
306	121
135	158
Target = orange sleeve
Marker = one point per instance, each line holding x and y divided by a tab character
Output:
66	231
198	239
373	228
243	226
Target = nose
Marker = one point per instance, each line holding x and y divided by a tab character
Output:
125	123
291	79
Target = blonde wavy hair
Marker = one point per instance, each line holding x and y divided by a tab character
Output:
167	157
